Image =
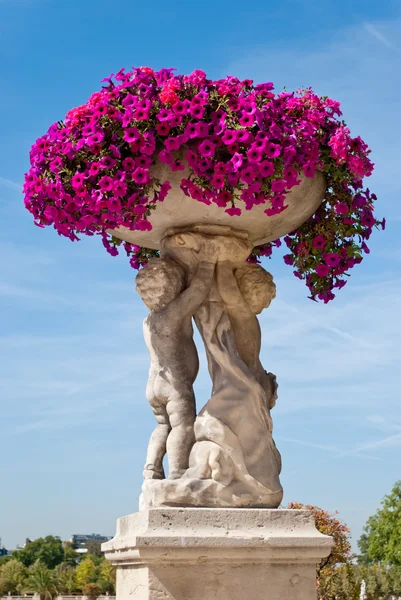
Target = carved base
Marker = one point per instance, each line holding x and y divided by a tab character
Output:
205	554
206	493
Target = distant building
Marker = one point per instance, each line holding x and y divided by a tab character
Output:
79	541
3	552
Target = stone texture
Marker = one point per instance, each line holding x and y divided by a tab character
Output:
179	210
224	554
226	456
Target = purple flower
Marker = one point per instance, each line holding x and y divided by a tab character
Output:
206	148
140	176
248	175
229	136
233	211
132	135
319	242
272	150
266	168
322	270
246	120
341	208
120	188
217	181
332	259
254	155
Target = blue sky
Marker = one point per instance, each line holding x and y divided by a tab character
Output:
73	365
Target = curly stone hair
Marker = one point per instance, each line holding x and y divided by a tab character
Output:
257	286
159	282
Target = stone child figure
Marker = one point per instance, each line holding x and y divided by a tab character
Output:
247	290
174	366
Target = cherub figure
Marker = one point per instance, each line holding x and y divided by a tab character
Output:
246	291
174	365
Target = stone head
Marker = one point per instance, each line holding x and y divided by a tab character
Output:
256	286
159	282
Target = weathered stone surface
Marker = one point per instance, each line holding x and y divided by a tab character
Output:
226	456
209	554
178	210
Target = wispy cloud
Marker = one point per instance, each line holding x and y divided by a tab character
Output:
8	183
377	34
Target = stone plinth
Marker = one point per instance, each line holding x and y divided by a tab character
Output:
225	554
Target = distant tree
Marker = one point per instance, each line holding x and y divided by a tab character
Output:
92	591
71	557
48	550
12	577
86	572
107	577
381	540
42	581
66	578
4	559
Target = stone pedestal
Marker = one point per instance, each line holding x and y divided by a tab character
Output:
225	554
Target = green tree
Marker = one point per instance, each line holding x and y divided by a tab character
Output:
66	578
42	581
12	577
85	572
48	550
92	591
107	577
71	557
381	541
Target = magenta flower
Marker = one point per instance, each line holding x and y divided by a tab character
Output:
368	220
322	270
319	242
278	185
120	188
332	260
114	204
246	120
140	176
132	135
248	175
106	183
341	208
107	162
254	155
217	181
233	211
272	150
229	136
266	168
240	141
206	148
128	164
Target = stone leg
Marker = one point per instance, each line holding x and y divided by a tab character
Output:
217	554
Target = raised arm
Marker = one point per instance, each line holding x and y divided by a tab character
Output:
245	324
191	299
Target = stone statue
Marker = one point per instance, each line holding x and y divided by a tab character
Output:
225	456
174	365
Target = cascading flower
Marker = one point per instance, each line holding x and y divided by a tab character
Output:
242	146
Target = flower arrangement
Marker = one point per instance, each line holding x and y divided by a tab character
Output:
241	144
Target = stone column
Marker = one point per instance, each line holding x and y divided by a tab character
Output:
225	554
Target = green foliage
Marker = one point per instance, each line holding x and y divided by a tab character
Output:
66	578
381	541
12	576
42	581
86	572
92	591
107	577
71	557
48	550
